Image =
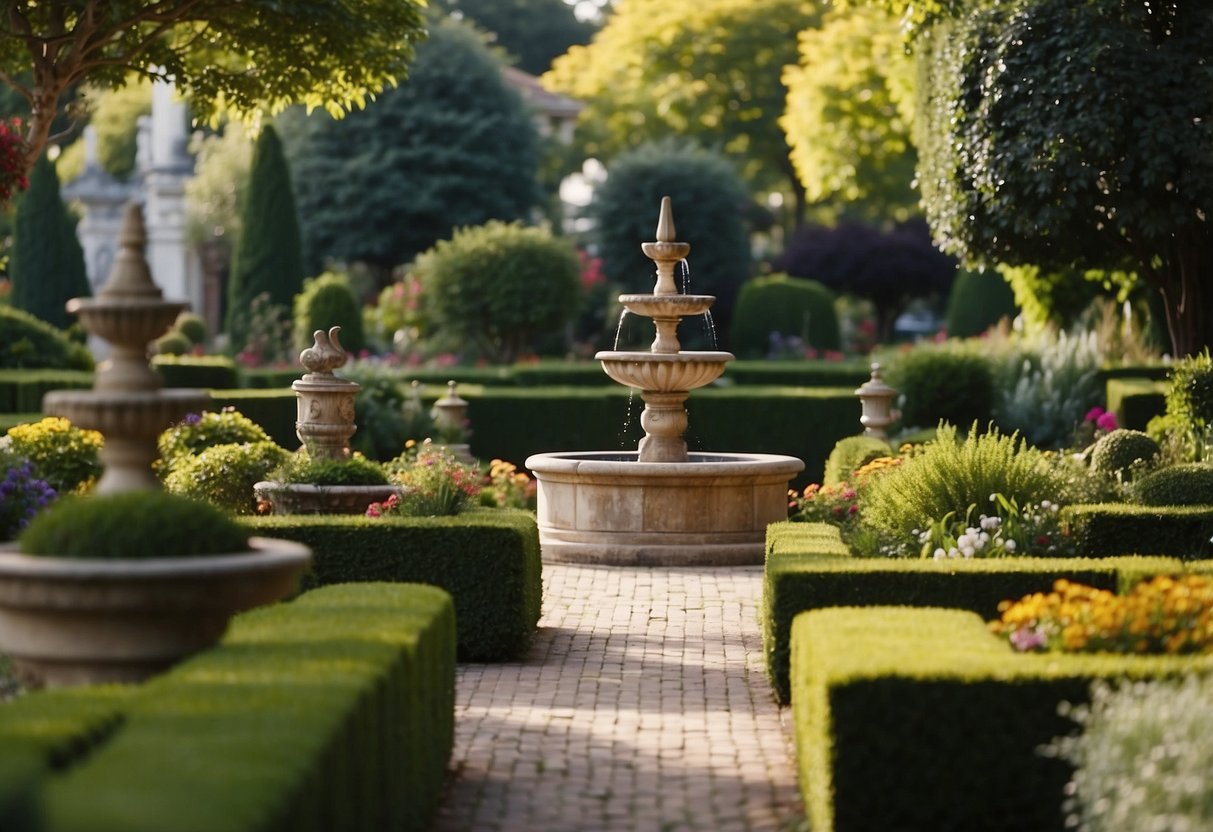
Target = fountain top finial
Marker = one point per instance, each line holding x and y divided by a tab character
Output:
665	222
130	276
325	355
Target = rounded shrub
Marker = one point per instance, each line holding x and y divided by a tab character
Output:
197	432
301	469
1114	452
68	458
193	327
977	301
132	525
1190	484
224	475
29	343
947	383
790	306
325	302
500	287
172	343
850	454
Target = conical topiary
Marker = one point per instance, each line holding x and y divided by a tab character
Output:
269	255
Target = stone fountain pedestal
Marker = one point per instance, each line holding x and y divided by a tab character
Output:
661	505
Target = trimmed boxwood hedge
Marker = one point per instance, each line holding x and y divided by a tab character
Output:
196	371
1136	401
487	560
1120	529
808	567
274	410
335	711
21	391
921	720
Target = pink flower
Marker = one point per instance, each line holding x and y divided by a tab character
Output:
1106	422
1093	414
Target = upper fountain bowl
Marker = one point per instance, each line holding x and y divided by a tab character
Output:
664	373
667	306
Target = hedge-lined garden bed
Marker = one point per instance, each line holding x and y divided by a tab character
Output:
808	567
489	562
335	711
921	720
1122	528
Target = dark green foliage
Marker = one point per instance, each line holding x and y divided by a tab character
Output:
452	146
134	525
269	254
197	432
1022	101
1114	452
1190	397
302	469
192	326
274	410
20	809
937	716
949	383
1136	401
1098	530
889	268
1190	484
499	287
531	31
47	264
21	391
978	300
335	711
171	343
386	418
790	306
196	371
848	374
487	560
325	302
224	475
808	568
852	453
708	202
30	343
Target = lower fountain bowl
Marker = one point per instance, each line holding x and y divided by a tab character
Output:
599	507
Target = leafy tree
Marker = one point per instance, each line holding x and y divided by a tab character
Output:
708	201
706	70
47	266
269	255
850	108
888	268
452	147
531	31
248	57
500	286
1076	136
325	302
115	116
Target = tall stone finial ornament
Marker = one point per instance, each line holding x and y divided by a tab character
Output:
325	403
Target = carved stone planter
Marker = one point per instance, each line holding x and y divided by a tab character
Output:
321	499
69	621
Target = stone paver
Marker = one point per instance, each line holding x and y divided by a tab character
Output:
643	705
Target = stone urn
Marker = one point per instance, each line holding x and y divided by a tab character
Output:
302	498
72	621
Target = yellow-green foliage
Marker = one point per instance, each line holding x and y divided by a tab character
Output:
934	714
66	456
197	432
1190	484
949	475
852	453
224	475
1116	452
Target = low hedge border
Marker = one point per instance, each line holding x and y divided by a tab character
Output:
1136	401
921	720
1121	529
488	561
197	371
21	391
274	410
335	711
11	420
808	568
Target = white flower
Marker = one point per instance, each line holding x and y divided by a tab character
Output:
1009	545
1045	504
940	554
968	551
964	540
993	498
983	539
990	522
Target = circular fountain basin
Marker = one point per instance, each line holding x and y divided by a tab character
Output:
667	306
598	507
663	372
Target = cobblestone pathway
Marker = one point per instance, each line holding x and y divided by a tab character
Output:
642	705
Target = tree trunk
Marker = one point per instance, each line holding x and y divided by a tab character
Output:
43	106
1187	292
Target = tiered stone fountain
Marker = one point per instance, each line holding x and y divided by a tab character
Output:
661	504
127	402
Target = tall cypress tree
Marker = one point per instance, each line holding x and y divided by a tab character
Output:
47	266
269	255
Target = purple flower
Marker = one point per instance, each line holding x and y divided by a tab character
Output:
191	419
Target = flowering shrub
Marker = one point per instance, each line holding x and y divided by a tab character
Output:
199	431
22	495
66	456
507	487
1007	530
1162	615
12	160
435	483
